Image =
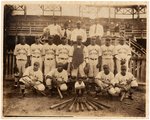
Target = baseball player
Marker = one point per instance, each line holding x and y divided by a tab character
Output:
32	77
105	80
57	78
108	54
122	54
79	64
22	58
49	52
94	53
63	53
125	82
36	52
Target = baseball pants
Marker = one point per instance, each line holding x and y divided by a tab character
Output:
21	65
79	70
63	87
49	64
93	71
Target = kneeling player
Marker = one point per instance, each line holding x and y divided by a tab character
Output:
32	77
57	78
125	82
104	80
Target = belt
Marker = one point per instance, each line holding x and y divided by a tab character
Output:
50	59
36	56
64	58
21	59
93	58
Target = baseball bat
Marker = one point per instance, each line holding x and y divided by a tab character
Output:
91	104
82	107
97	105
60	94
89	108
122	97
64	105
106	106
32	85
59	104
71	106
77	107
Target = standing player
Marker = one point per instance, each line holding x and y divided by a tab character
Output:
22	57
108	54
78	32
63	53
94	53
122	54
79	65
36	52
49	52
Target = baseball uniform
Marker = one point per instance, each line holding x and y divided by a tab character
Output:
122	80
94	52
102	79
59	76
33	78
36	54
107	56
49	52
122	52
21	52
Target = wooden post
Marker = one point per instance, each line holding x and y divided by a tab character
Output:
138	69
143	69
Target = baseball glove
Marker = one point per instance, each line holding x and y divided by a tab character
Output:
123	61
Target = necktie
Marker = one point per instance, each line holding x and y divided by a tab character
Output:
65	34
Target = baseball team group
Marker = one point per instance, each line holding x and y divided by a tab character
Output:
64	58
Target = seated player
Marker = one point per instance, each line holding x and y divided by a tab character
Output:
79	87
32	77
104	80
57	78
125	82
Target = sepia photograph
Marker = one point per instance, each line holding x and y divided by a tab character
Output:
75	59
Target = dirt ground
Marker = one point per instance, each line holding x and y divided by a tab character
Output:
38	105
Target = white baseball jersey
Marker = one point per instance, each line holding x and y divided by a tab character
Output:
107	51
76	32
59	75
122	52
94	51
36	50
49	50
34	75
63	51
79	85
122	80
102	76
22	51
96	30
